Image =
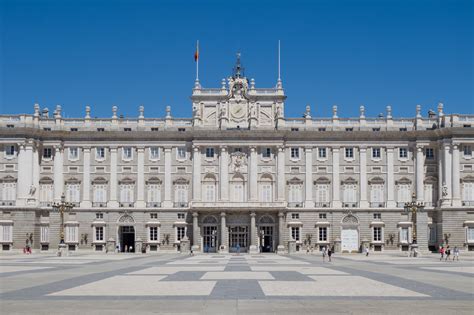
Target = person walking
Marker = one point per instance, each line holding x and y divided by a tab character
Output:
367	251
448	253
441	252
329	253
456	253
324	254
126	248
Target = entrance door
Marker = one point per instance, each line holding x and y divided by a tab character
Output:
266	239
209	237
238	238
350	240
127	238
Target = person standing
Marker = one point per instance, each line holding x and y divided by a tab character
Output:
126	248
456	253
367	251
448	252
329	253
441	252
324	254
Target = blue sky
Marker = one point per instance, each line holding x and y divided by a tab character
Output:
128	53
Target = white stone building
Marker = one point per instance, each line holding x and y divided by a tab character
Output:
238	174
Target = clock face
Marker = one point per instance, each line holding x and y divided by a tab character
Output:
238	111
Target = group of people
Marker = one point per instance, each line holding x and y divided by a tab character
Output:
126	249
446	253
327	252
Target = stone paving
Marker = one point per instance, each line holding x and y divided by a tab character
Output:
216	283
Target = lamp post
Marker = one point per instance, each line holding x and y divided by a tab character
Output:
414	207
62	207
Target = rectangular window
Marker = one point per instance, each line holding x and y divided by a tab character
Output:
323	216
295	194
238	150
181	216
468	192
265	192
404	193
349	153
44	234
46	193
470	234
100	193
376	153
267	153
467	150
323	234
99	215
154	215
349	194
73	192
322	193
8	193
404	235
154	129
74	129
403	153
181	153
209	192
127	129
180	232
100	153
100	129
153	233
429	152
210	152
181	193
127	153
47	153
295	233
99	233
377	234
153	193
377	193
376	129
6	231
72	234
295	216
295	153
238	192
377	216
126	193
154	153
349	129
10	150
322	153
321	129
73	153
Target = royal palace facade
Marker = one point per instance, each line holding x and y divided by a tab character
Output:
238	175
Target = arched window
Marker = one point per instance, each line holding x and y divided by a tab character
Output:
209	188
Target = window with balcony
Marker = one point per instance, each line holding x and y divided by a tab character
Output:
6	233
467	151
377	199
153	195
46	191
237	189
265	192
99	193
403	192
127	194
468	194
349	195
209	192
295	195
8	192
73	192
430	193
322	195
181	195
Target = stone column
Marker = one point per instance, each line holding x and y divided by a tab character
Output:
281	227
196	173
36	172
58	173
141	177
196	232
390	180
223	248
167	202
363	177
25	173
281	174
113	202
86	178
440	173
336	201
253	172
456	177
253	234
224	173
420	173
447	174
308	203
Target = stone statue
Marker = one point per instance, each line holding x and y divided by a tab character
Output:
445	191
223	112
279	111
253	111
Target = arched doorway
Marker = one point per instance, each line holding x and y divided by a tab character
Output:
266	230
126	234
209	234
350	234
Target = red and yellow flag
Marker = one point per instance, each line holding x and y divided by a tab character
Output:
196	53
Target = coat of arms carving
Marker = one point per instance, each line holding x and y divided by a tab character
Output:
238	162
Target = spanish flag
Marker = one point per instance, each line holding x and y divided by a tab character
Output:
196	53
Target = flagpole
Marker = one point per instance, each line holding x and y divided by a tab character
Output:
197	61
279	77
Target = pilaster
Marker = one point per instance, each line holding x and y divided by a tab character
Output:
167	202
253	234
86	178
196	232
224	173
253	174
308	203
363	177
447	195
58	173
141	177
336	201
420	173
456	177
223	247
390	179
281	173
113	178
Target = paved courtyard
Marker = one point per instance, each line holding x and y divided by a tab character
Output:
234	284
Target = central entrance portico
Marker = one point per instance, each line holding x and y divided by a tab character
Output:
238	236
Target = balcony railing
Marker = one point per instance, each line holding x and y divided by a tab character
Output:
349	204
468	203
99	204
401	204
429	204
153	204
46	204
127	204
322	204
181	204
7	203
377	204
295	205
